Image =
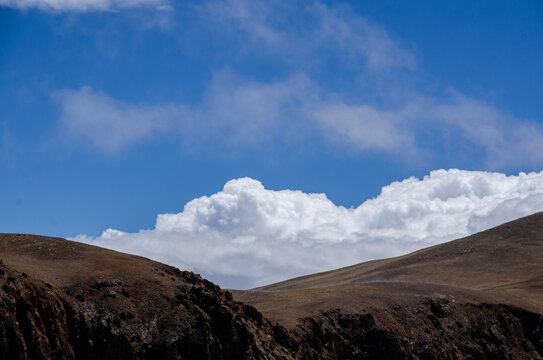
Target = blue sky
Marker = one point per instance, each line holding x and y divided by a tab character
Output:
115	111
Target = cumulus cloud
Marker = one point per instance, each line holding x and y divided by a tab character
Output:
246	235
85	5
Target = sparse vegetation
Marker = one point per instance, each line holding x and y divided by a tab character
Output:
2	272
80	297
48	285
125	293
25	275
11	279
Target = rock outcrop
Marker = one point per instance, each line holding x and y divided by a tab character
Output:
197	320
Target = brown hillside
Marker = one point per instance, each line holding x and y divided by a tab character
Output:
451	284
500	265
63	300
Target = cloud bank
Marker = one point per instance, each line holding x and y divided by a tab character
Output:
85	5
246	235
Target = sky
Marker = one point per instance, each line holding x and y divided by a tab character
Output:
253	141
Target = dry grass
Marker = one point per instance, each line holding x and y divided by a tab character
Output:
69	265
501	265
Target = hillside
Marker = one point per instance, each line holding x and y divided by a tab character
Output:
506	257
475	298
500	266
61	299
506	260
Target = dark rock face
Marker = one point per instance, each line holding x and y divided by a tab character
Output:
33	321
201	321
339	336
464	332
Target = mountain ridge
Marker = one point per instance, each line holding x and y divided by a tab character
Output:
474	298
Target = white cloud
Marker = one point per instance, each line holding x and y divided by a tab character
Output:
463	122
250	112
110	124
250	16
506	139
236	112
85	5
245	235
302	35
239	112
309	32
367	127
358	38
232	111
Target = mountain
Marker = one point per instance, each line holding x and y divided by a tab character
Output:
480	297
